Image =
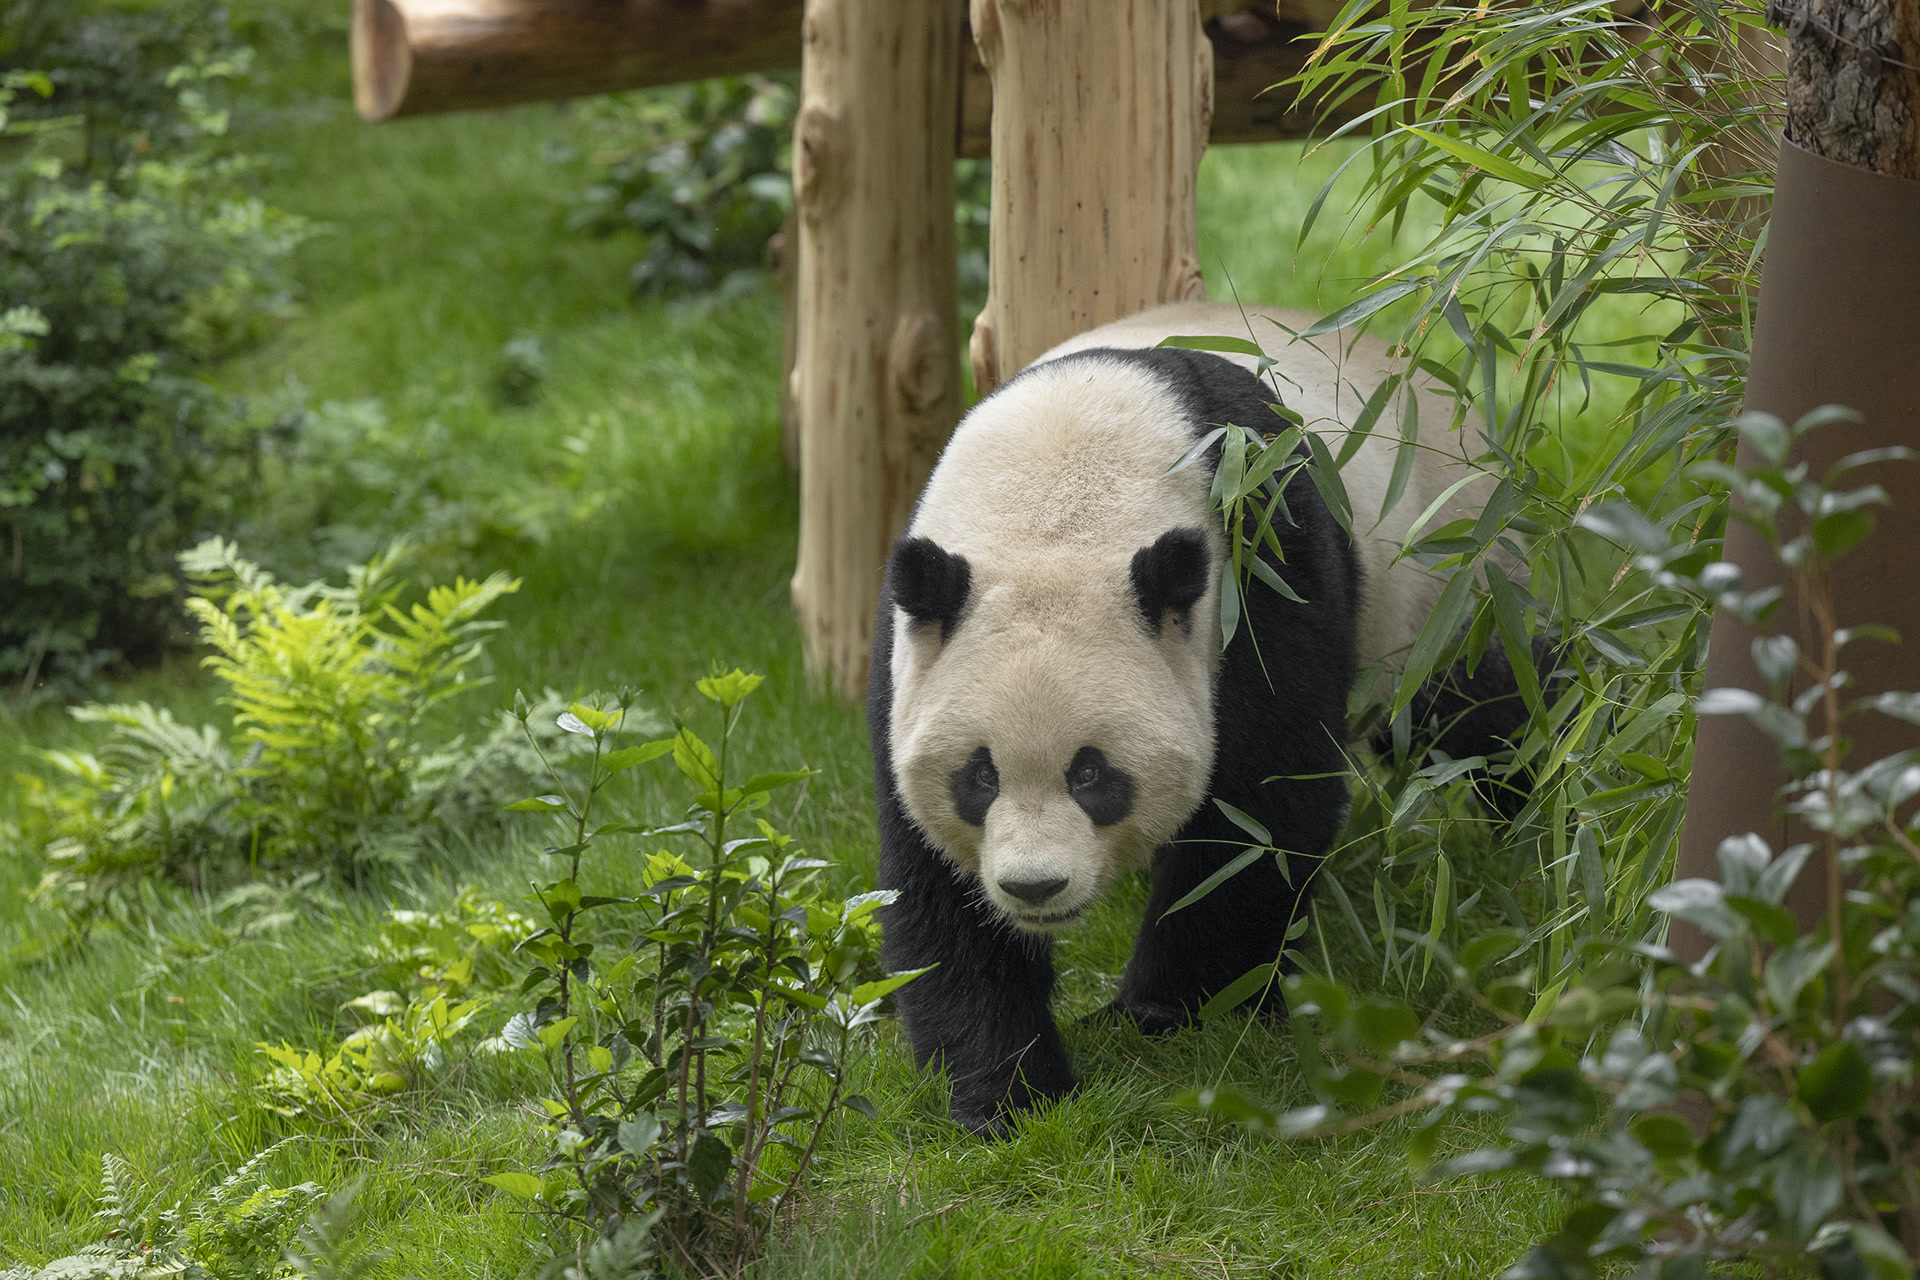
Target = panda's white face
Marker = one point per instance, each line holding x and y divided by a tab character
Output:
1050	737
1052	743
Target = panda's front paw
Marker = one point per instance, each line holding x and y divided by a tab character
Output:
1153	1018
989	1109
987	1120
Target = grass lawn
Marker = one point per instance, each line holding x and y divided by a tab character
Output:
643	500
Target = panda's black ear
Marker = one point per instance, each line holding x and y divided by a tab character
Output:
929	582
1171	575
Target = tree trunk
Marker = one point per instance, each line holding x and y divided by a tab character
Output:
1839	323
878	356
1101	113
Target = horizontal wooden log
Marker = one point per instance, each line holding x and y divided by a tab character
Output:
418	57
421	57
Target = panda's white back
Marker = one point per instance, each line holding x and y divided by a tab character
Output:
1327	380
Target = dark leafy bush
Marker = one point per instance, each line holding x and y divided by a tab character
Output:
701	171
130	262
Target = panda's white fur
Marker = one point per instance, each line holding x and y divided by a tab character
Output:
1048	489
1327	381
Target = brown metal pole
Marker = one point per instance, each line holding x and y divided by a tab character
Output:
1839	323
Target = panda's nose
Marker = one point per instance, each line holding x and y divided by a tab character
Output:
1034	891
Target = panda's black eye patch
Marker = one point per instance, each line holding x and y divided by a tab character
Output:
1103	790
975	786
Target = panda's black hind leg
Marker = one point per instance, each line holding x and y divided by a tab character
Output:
1479	713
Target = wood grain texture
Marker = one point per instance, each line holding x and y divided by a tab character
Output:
877	370
1101	113
420	57
417	57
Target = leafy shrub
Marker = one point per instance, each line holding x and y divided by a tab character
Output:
241	1229
446	968
464	951
701	170
402	1051
1758	1107
326	765
129	263
698	1038
1577	198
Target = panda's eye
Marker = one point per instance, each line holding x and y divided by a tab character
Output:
1087	776
985	776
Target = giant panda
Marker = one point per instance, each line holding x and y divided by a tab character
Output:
1051	708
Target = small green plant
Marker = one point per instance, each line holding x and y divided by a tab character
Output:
404	1050
241	1229
465	950
445	968
1758	1107
325	766
698	1038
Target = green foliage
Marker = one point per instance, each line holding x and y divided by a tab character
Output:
699	1046
463	951
402	1051
240	1229
701	170
131	261
326	766
1575	203
446	968
1759	1106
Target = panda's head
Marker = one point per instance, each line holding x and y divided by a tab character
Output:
1055	640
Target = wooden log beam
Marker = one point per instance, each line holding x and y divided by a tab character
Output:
877	369
418	57
1107	109
421	57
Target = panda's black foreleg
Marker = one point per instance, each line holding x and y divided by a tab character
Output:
1182	960
984	1012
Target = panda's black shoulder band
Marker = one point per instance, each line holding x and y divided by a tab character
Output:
929	582
1171	575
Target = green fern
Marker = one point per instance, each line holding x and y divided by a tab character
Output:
323	765
240	1229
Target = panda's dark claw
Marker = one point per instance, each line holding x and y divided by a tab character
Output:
1152	1019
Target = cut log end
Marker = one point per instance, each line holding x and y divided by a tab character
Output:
382	59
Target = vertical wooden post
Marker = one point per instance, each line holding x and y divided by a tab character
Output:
1100	114
878	365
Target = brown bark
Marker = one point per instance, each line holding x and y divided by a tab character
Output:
1101	114
878	352
416	57
419	57
1839	323
1853	81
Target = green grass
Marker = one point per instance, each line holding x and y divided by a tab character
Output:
644	502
